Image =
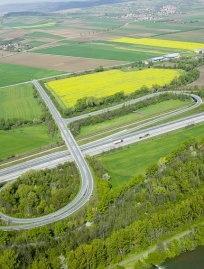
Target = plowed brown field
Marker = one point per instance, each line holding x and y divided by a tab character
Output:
56	62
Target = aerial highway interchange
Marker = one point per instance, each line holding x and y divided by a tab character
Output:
77	154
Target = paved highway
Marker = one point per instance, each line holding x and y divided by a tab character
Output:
91	149
60	157
96	147
198	102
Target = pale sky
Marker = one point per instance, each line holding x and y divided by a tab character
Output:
2	2
29	1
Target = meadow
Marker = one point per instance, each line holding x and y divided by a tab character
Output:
19	102
13	74
180	45
107	83
22	140
125	163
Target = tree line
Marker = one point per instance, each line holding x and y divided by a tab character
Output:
8	124
124	110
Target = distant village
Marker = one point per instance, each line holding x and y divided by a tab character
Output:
148	13
15	47
145	13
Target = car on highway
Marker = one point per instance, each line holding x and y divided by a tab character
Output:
146	135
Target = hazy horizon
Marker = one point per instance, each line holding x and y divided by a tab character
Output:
4	2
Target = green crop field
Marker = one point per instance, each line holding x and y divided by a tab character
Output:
162	25
13	74
142	114
140	31
98	51
21	140
36	43
126	163
25	20
43	35
196	35
18	102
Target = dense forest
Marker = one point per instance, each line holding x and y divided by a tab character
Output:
148	209
40	192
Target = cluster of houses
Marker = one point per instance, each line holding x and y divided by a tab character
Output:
169	9
15	47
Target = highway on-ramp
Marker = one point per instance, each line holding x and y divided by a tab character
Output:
86	177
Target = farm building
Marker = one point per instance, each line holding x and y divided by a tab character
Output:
157	59
171	56
199	51
165	57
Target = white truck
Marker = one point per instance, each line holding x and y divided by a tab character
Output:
118	141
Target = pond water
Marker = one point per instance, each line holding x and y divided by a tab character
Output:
189	260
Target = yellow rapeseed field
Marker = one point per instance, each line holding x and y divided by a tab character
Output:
161	43
107	83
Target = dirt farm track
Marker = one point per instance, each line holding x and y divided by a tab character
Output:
56	62
200	81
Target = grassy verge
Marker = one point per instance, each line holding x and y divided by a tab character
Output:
21	140
197	110
132	118
126	163
39	152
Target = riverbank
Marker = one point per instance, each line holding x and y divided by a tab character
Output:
165	251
